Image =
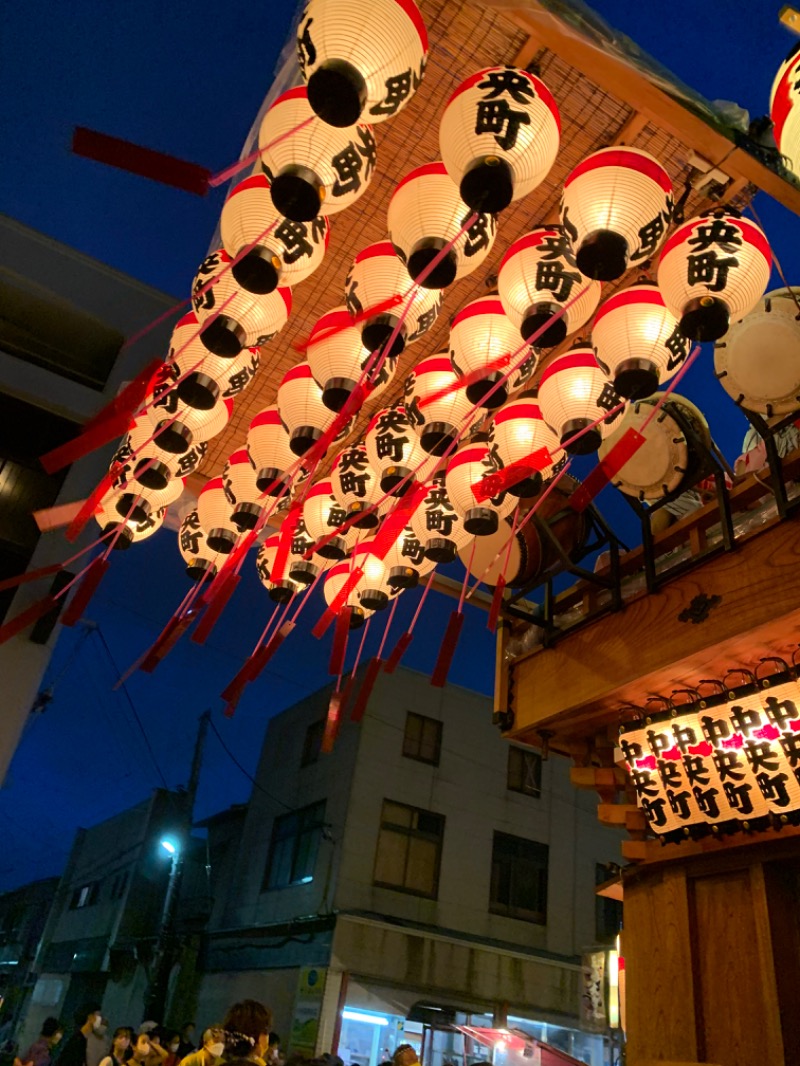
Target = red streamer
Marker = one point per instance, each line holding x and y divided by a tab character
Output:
367	685
172	633
288	530
145	162
339	648
322	626
331	723
14	626
83	594
493	484
214	610
399	651
497	599
447	649
626	447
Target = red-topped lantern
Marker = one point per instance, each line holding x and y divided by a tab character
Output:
301	408
469	466
337	358
538	277
288	253
313	169
335	580
207	377
637	341
361	61
499	136
449	413
521	438
784	109
269	449
394	450
713	270
135	501
438	525
193	545
279	591
372	587
573	393
323	516
378	278
244	496
298	567
616	207
151	465
406	562
425	214
247	321
176	427
121	533
356	486
483	338
214	510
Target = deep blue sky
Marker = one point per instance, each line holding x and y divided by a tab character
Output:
188	78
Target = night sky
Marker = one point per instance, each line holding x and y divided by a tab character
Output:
188	78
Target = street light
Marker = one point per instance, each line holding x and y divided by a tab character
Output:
169	846
161	963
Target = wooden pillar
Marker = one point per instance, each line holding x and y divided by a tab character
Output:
712	956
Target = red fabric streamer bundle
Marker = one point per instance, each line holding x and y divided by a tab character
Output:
497	600
321	628
145	162
331	723
288	530
399	651
14	626
447	649
625	448
83	594
493	484
367	685
214	609
339	648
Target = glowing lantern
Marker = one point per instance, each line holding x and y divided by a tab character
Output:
537	277
482	337
394	450
426	214
193	545
616	207
301	408
471	464
299	569
337	357
637	341
288	254
335	580
377	277
372	587
499	136
518	432
149	464
784	109
123	533
713	270
313	168
323	515
136	501
573	393
207	377
177	427
438	525
361	62
279	591
214	510
406	562
270	452
355	485
242	492
441	421
248	319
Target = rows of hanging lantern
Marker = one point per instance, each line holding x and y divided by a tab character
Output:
467	413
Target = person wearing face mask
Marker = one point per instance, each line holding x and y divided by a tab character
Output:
141	1050
211	1051
120	1047
172	1043
96	1043
74	1051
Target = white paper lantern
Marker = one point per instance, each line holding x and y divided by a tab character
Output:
134	500
120	533
784	109
207	377
499	136
394	450
214	510
573	393
288	254
372	588
298	568
637	341
335	580
193	545
301	408
376	277
248	319
469	466
356	486
313	169
537	278
338	358
279	591
713	270
146	462
518	432
268	446
176	426
438	525
483	338
616	208
361	61
324	515
440	422
425	214
406	562
243	494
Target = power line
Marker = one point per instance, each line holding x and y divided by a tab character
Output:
246	773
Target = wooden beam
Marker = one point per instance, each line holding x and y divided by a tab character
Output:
598	777
652	852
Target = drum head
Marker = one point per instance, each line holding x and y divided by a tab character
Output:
659	466
757	362
485	550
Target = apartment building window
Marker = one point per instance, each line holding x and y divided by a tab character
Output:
294	846
524	771
422	739
519	878
607	912
312	743
409	849
85	896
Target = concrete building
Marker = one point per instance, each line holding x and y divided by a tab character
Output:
23	913
425	870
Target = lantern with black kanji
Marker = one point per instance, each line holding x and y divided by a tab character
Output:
135	501
520	438
324	517
279	591
376	292
281	251
193	545
616	208
150	464
356	486
406	562
573	394
299	568
499	136
176	427
335	580
784	109
204	377
118	532
313	169
484	341
241	489
361	61
425	215
338	359
269	448
438	525
243	319
538	277
214	509
713	270
470	465
301	408
436	404
372	587
637	341
394	449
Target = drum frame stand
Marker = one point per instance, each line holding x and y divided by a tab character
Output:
777	481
